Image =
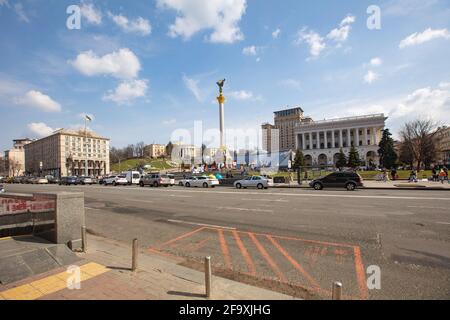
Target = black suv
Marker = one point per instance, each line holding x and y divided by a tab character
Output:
348	180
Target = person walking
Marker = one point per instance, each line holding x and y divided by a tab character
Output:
394	174
442	176
435	174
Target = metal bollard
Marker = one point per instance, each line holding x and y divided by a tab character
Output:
83	238
134	255
208	276
337	291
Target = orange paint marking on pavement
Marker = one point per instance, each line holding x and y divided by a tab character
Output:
225	250
182	237
360	274
198	245
267	257
294	262
308	241
245	254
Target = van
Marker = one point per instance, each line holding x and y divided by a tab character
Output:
132	177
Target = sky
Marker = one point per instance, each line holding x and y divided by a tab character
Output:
143	69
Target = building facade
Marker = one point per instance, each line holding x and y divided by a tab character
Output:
321	141
443	146
64	153
155	150
15	157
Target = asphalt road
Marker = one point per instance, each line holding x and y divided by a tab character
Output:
291	240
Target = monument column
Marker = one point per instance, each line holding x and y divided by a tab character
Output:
341	139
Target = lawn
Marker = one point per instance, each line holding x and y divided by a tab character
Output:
156	164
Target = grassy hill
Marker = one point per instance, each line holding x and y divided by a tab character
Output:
156	164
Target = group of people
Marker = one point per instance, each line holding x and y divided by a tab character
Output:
440	175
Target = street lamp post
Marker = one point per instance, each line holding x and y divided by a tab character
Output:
221	100
86	168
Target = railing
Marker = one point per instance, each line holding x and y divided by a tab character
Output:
365	117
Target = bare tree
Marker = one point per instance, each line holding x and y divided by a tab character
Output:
139	149
419	140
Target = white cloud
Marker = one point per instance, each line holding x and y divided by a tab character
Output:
376	62
138	25
40	129
194	16
371	77
250	51
37	99
313	39
4	3
192	85
127	91
407	7
169	122
341	34
276	33
18	8
425	36
428	103
91	13
241	95
291	83
122	64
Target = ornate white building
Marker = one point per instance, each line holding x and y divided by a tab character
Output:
320	141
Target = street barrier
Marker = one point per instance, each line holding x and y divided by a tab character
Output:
208	276
134	255
337	291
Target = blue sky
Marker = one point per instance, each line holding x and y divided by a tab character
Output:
146	68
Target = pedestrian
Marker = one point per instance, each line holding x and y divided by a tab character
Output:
394	174
442	176
435	174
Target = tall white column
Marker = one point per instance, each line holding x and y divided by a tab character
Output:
333	140
303	141
341	139
348	139
374	134
365	136
310	141
222	124
357	137
325	139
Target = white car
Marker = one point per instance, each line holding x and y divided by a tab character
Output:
204	182
254	182
116	180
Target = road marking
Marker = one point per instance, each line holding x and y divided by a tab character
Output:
245	254
446	223
245	209
136	200
265	200
267	257
360	273
200	224
293	262
225	250
425	207
182	236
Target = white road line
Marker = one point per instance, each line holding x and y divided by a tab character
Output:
137	200
446	223
265	200
245	209
201	224
425	207
179	196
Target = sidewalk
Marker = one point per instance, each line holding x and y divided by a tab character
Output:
106	275
394	185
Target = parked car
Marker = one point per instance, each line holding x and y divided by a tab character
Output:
17	179
348	180
101	179
85	180
67	181
205	182
40	180
254	181
157	180
133	177
52	179
116	180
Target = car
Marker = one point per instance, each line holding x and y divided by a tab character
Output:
40	180
52	179
116	180
67	181
133	177
85	180
157	180
101	179
205	182
345	179
17	179
259	182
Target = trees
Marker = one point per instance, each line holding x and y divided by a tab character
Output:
169	149
353	158
342	160
299	160
386	151
418	141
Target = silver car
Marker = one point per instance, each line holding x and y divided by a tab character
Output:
254	182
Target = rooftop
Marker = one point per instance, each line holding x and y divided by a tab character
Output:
364	117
